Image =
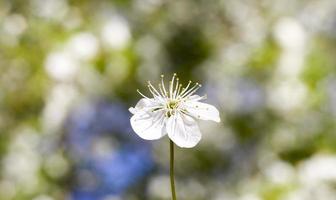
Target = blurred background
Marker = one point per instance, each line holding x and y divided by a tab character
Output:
70	70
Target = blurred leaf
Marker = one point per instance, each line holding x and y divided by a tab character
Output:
318	65
187	48
265	57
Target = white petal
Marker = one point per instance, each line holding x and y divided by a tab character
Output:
202	111
149	125
142	104
194	97
183	130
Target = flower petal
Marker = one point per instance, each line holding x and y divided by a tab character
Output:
183	130
142	104
202	111
149	125
194	97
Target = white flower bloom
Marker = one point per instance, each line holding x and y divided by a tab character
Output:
172	111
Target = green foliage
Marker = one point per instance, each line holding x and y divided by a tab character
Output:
217	44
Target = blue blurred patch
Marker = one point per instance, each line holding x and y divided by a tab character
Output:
120	167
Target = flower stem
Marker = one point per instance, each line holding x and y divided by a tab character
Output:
172	182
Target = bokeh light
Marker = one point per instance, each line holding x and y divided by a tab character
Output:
69	71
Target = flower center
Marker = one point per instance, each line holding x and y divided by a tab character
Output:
170	99
172	105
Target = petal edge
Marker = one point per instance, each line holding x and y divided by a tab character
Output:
183	130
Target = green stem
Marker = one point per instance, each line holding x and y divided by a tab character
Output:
172	182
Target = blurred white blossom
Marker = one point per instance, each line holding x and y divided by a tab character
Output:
15	24
319	168
115	33
61	65
158	187
50	9
57	106
286	96
83	46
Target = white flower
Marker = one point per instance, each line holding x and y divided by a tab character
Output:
173	112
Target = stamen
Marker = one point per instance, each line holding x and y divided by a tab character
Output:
155	95
185	89
176	92
171	86
161	91
189	90
176	87
144	96
170	90
179	90
163	85
192	90
153	90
